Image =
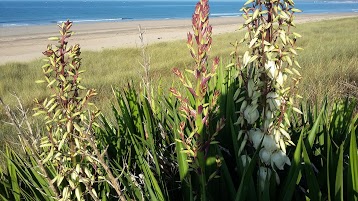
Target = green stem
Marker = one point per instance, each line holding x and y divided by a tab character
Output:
202	180
201	150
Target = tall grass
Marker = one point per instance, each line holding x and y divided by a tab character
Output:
330	59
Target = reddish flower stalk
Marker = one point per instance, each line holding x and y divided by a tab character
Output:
199	111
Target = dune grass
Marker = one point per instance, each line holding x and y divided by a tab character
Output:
329	65
330	59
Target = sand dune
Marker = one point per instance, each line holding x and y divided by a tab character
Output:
20	44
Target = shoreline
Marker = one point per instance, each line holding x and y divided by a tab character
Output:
23	44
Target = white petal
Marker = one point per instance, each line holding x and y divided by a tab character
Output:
283	146
269	143
279	159
265	156
255	135
263	174
251	114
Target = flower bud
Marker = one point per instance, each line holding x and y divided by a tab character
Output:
69	126
250	87
256	95
284	77
243	106
270	66
251	114
277	178
279	79
74	176
268	124
277	135
264	172
273	101
269	114
240	121
241	132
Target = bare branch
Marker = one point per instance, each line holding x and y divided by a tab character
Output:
145	65
25	138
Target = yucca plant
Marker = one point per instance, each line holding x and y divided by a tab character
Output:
65	153
329	152
265	110
264	92
196	132
69	143
26	177
23	179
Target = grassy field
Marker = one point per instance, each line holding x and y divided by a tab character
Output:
329	65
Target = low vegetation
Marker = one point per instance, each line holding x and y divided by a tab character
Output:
226	122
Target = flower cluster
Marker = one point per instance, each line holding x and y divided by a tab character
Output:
264	72
201	105
68	144
198	112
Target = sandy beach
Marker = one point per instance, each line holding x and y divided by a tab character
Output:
21	44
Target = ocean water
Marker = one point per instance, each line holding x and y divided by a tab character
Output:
27	13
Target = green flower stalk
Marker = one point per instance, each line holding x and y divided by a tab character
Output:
270	79
200	107
69	144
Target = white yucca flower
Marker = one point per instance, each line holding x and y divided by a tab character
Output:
256	135
263	174
251	114
274	73
269	143
279	159
265	156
